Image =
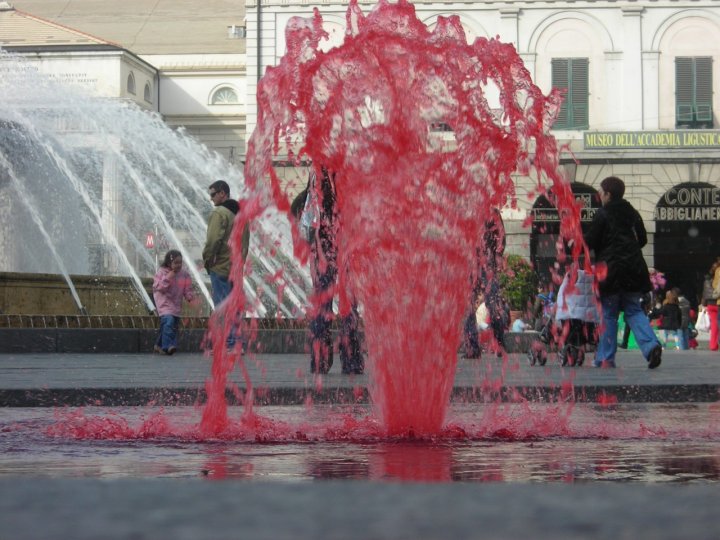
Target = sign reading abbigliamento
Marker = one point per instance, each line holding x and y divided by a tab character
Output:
697	203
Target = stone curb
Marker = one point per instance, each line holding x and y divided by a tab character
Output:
133	340
141	340
347	395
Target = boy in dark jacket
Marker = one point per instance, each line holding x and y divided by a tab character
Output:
670	317
617	235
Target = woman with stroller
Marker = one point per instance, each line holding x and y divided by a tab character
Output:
577	316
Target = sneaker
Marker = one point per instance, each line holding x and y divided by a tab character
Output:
605	364
171	351
655	357
157	349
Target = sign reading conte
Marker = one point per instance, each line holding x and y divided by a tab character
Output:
689	202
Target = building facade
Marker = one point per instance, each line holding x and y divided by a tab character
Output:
197	50
639	78
640	104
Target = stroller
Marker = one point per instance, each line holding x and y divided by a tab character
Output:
573	329
538	349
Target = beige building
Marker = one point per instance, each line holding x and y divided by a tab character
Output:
197	50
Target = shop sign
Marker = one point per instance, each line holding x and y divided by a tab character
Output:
587	212
639	140
689	204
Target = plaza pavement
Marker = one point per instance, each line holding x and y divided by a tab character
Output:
147	508
53	379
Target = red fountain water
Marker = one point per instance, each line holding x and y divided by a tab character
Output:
411	207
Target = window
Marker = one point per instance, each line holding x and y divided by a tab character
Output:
440	126
224	96
693	92
131	84
147	93
237	31
571	76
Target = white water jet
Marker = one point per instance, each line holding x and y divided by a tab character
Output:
102	174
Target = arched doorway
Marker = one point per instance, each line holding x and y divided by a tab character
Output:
546	227
687	235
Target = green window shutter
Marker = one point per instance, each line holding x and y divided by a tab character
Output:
580	91
693	92
571	76
560	80
703	90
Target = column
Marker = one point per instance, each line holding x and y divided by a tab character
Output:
509	25
632	86
651	90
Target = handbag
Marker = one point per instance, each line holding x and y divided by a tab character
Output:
703	321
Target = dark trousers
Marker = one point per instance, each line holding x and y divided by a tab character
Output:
626	337
472	339
321	343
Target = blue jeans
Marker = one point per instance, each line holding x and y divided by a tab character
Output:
221	288
675	336
167	335
684	338
628	302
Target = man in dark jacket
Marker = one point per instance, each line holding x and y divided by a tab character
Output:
617	235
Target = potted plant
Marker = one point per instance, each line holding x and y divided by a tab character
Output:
519	284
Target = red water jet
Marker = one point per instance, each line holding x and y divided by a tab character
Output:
411	203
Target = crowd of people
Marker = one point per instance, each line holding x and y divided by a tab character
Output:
620	282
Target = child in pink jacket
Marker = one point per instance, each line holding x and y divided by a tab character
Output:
170	286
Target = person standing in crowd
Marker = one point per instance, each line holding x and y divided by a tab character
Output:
671	318
171	284
684	332
316	211
482	316
489	263
710	299
216	254
543	306
617	235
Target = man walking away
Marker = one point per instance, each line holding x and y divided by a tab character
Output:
617	235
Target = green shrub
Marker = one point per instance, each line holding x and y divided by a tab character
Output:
519	283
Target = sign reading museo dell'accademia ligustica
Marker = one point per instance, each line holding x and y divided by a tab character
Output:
684	202
648	140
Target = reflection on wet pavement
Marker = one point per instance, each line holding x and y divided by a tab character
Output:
645	443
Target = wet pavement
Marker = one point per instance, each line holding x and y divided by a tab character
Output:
30	380
189	510
650	471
